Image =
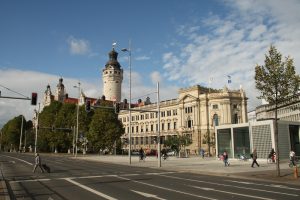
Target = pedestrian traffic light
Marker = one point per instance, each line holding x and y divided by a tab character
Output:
88	106
117	108
33	98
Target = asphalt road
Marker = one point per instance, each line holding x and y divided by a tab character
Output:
82	179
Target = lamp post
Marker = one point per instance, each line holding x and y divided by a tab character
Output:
20	146
36	128
158	127
129	60
77	118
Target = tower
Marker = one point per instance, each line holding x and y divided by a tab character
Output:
60	91
112	78
47	96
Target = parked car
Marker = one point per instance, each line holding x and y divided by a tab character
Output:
171	153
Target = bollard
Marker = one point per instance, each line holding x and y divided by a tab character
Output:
295	172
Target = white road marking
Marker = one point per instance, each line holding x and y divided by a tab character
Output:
226	185
90	189
266	185
19	159
30	180
148	195
223	191
164	188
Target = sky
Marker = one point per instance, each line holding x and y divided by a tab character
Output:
178	43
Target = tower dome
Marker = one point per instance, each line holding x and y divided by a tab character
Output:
112	76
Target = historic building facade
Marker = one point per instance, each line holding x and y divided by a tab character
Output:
288	110
195	113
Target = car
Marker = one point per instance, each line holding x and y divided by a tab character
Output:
171	153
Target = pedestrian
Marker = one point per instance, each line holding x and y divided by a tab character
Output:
225	158
38	163
202	153
141	153
272	155
292	157
254	157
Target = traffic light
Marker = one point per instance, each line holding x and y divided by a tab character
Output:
33	98
88	106
117	108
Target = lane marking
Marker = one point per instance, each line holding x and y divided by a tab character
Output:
18	159
223	191
90	189
271	185
147	195
164	188
226	185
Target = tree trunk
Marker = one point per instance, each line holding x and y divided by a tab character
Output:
276	141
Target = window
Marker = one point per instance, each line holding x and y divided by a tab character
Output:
234	106
169	113
235	119
142	128
174	112
151	127
137	129
162	126
146	128
169	126
189	123
215	120
163	114
174	125
215	106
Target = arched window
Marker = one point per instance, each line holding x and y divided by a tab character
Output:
216	120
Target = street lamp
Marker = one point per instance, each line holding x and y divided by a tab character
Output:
129	137
77	119
36	128
20	146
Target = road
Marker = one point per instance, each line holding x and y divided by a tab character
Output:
82	179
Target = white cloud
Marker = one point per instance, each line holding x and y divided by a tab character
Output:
234	44
155	77
78	46
26	82
142	58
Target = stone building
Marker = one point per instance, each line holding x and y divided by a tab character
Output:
288	110
195	113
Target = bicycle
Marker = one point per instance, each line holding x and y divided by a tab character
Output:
296	162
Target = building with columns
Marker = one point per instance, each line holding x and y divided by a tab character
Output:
195	113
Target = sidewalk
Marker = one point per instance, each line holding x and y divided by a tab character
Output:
212	166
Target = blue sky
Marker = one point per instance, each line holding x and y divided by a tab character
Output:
179	43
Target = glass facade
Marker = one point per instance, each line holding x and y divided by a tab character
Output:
241	142
224	141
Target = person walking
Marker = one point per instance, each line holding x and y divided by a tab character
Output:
225	158
141	152
292	157
254	157
38	163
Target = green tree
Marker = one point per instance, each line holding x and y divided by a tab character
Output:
62	135
11	133
105	129
178	142
46	138
276	80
